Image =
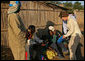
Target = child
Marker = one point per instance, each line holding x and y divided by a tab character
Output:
32	40
29	35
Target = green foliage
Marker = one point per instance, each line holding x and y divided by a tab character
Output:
77	5
68	5
54	2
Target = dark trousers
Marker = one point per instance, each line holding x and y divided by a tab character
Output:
32	52
62	47
58	47
55	47
35	52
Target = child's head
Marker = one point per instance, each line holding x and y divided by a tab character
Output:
51	30
31	28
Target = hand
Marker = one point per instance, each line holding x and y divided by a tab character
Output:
59	35
64	37
50	48
43	44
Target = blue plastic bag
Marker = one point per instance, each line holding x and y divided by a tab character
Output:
17	2
12	4
60	39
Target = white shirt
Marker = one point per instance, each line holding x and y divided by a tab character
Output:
73	27
71	16
65	27
65	23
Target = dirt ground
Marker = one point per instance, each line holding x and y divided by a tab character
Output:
6	53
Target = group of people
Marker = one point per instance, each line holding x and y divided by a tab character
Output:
22	39
33	39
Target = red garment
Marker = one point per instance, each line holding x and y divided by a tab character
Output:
28	35
26	55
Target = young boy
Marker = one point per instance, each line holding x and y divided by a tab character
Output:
29	35
32	40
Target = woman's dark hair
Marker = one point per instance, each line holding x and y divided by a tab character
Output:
32	28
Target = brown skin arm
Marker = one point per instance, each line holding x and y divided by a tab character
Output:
64	37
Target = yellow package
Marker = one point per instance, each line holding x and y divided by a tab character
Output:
50	54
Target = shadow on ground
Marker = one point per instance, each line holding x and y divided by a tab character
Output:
6	53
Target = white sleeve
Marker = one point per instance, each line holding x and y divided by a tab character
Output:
71	28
